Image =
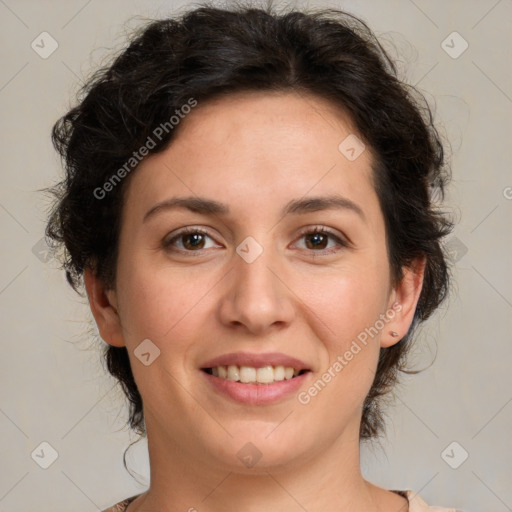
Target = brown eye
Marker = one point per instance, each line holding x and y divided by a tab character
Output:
187	240
317	240
193	240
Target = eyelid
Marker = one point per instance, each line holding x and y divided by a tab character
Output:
319	228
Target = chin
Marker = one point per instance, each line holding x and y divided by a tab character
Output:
257	452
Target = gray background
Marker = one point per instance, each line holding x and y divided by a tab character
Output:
53	387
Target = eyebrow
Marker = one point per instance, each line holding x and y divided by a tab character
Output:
206	206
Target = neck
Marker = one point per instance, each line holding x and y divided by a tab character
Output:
183	480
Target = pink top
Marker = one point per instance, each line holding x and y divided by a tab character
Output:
416	504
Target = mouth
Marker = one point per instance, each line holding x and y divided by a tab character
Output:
263	375
256	379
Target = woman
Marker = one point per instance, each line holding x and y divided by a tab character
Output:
247	201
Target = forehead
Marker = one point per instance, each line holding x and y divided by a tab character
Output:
259	148
281	121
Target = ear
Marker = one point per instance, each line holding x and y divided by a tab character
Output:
403	301
103	304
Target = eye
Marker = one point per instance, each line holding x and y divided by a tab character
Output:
318	237
191	239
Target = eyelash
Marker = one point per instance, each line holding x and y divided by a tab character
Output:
307	231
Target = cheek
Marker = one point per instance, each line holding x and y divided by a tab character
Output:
347	315
159	303
347	311
346	300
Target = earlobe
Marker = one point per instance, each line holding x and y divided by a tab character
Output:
103	304
404	300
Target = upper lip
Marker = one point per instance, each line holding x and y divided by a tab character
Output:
256	360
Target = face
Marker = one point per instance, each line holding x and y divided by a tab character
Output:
268	278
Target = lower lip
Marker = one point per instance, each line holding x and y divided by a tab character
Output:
257	394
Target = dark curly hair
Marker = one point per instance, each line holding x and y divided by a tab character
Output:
208	52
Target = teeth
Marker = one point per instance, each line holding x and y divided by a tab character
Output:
265	375
279	373
250	375
247	374
233	373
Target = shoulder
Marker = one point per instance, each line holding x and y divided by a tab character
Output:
417	504
122	505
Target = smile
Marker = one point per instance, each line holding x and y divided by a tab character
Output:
250	375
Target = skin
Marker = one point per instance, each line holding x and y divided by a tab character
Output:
254	152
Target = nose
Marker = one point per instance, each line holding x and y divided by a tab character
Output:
257	296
